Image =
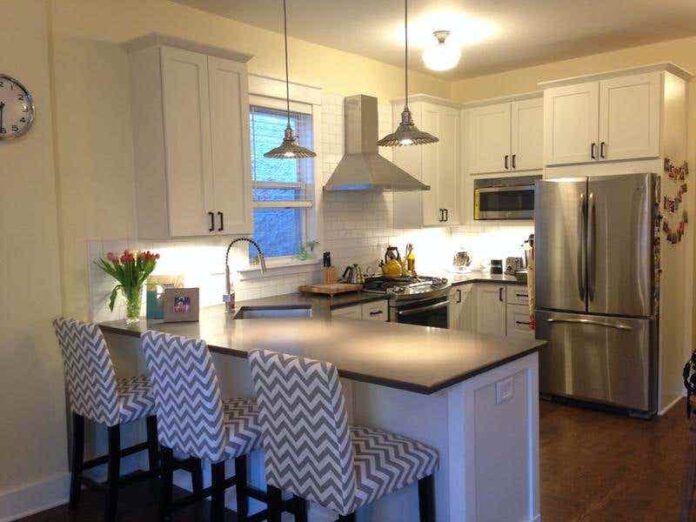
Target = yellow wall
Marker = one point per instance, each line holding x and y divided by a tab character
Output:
32	407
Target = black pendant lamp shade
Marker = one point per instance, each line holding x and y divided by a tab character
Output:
289	149
406	133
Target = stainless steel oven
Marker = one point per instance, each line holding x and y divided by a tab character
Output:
504	198
424	312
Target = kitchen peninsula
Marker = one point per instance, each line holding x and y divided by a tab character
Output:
473	397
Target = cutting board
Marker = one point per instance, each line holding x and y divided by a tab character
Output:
330	288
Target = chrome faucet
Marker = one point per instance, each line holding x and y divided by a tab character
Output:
228	298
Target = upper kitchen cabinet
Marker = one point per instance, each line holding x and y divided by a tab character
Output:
191	140
436	165
505	135
609	117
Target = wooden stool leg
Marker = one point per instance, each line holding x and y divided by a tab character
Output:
300	509
153	456
275	504
217	506
114	472
197	476
166	483
78	455
426	498
240	473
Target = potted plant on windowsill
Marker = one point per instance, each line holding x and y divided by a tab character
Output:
130	270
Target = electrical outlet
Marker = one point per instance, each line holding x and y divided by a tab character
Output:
504	390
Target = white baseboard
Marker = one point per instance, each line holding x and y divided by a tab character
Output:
671	404
35	497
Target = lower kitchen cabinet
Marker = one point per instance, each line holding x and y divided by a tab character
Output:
490	309
374	311
462	308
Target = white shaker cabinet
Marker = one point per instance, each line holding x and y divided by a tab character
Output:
505	136
462	308
436	165
490	309
191	144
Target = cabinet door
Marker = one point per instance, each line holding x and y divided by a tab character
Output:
519	322
229	122
489	138
377	311
348	312
448	165
490	313
629	117
430	122
527	134
187	142
571	123
462	308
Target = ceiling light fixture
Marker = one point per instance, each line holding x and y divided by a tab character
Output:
289	149
443	55
406	133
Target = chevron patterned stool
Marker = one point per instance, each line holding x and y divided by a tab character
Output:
95	394
194	420
312	452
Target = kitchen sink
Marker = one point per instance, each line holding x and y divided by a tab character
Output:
269	312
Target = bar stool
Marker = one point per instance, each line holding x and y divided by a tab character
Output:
312	451
94	393
194	420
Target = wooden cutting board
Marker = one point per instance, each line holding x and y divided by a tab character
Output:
330	288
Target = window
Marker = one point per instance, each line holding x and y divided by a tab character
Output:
283	189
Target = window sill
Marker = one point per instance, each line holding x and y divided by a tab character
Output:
278	268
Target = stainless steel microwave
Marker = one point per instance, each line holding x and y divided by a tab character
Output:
504	198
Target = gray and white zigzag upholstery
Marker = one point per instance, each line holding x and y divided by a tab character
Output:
93	390
191	416
311	451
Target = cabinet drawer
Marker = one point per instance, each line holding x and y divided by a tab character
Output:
518	321
517	295
348	312
377	311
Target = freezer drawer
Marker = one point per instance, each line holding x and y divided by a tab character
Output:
596	358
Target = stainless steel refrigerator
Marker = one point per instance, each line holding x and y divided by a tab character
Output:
595	289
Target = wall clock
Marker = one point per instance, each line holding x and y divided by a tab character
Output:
16	108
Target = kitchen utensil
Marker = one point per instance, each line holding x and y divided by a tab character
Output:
512	264
330	289
391	266
353	274
496	266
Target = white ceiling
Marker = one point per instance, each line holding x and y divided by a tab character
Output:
512	33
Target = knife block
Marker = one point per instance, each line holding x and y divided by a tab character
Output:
329	275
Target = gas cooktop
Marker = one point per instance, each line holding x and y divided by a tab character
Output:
406	287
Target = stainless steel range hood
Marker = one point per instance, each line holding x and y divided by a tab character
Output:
362	168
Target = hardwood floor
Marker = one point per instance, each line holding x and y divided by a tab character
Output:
594	467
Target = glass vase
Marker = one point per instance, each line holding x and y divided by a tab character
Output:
133	304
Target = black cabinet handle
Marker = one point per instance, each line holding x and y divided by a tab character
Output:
593	152
459	295
442	215
500	294
522	295
212	222
602	146
523	322
376	312
446	214
507	157
222	221
514	161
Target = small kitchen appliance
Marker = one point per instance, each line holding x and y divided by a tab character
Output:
504	198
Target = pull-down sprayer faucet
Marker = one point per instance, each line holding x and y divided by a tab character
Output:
228	298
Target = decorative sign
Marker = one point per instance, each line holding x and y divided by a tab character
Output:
670	206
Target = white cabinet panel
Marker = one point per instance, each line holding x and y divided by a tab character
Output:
490	309
489	138
187	141
229	120
348	312
629	117
517	294
430	122
518	322
462	308
376	311
527	120
448	179
571	123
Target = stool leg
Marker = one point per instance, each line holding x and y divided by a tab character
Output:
152	443
426	498
197	476
240	473
275	507
114	472
347	518
300	509
217	506
78	454
166	483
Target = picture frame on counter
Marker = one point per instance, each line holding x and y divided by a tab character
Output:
181	305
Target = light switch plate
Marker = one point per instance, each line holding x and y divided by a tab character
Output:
504	390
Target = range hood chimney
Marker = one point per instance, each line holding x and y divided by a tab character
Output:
362	168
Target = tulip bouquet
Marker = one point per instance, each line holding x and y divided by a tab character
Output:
130	270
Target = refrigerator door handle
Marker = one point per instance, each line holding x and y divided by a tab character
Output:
591	247
617	326
581	247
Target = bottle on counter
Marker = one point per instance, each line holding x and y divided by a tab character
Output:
410	259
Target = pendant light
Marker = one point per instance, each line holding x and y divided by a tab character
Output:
289	149
406	133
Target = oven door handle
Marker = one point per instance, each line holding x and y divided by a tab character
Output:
414	311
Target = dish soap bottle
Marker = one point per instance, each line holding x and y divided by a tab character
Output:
410	259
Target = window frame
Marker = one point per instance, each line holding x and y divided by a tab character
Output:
310	229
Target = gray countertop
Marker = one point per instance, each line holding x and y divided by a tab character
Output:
480	276
414	358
